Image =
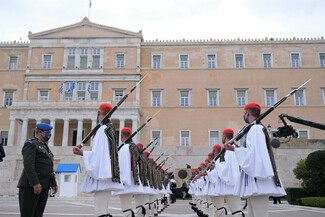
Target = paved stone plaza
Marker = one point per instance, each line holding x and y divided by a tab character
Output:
64	207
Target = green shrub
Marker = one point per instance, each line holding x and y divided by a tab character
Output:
314	182
294	193
300	170
313	201
312	173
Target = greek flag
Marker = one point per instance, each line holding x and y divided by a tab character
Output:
61	89
89	3
72	87
89	87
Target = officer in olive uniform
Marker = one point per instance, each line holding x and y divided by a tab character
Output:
37	176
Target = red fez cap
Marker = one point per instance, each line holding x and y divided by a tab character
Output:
140	144
194	168
252	105
150	158
155	163
206	160
202	164
105	107
217	147
145	152
228	130
162	169
210	154
126	130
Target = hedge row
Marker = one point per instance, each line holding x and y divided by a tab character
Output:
311	201
295	193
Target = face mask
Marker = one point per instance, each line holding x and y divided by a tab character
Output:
223	141
47	137
246	121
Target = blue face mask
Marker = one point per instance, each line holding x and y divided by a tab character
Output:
246	121
47	137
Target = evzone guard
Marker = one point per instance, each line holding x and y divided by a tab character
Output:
235	174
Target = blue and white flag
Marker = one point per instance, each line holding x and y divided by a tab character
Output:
89	87
72	87
61	89
89	3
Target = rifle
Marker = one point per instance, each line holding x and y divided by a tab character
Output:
246	128
149	144
167	169
129	139
162	162
151	150
140	128
160	156
109	114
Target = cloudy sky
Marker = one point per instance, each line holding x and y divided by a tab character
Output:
170	19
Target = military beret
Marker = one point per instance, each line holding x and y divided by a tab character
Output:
140	145
126	130
228	130
217	147
202	164
206	160
105	107
210	154
150	158
44	126
252	105
145	152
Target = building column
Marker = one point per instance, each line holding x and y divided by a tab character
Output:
93	124
134	128
65	132
79	131
23	131
38	120
25	90
122	124
11	132
52	123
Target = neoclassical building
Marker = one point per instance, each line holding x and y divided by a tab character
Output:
62	75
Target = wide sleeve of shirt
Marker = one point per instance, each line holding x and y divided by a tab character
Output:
228	170
254	160
29	155
97	161
213	175
125	165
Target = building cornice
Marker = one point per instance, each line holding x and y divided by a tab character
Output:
232	42
81	77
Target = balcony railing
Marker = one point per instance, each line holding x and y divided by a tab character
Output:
71	103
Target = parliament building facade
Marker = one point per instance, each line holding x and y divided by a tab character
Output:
200	87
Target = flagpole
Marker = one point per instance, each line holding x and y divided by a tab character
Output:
89	9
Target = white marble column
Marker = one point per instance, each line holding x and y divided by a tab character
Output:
93	124
11	132
79	131
65	132
122	124
52	123
134	128
23	131
38	120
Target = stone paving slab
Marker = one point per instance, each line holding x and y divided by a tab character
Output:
84	207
